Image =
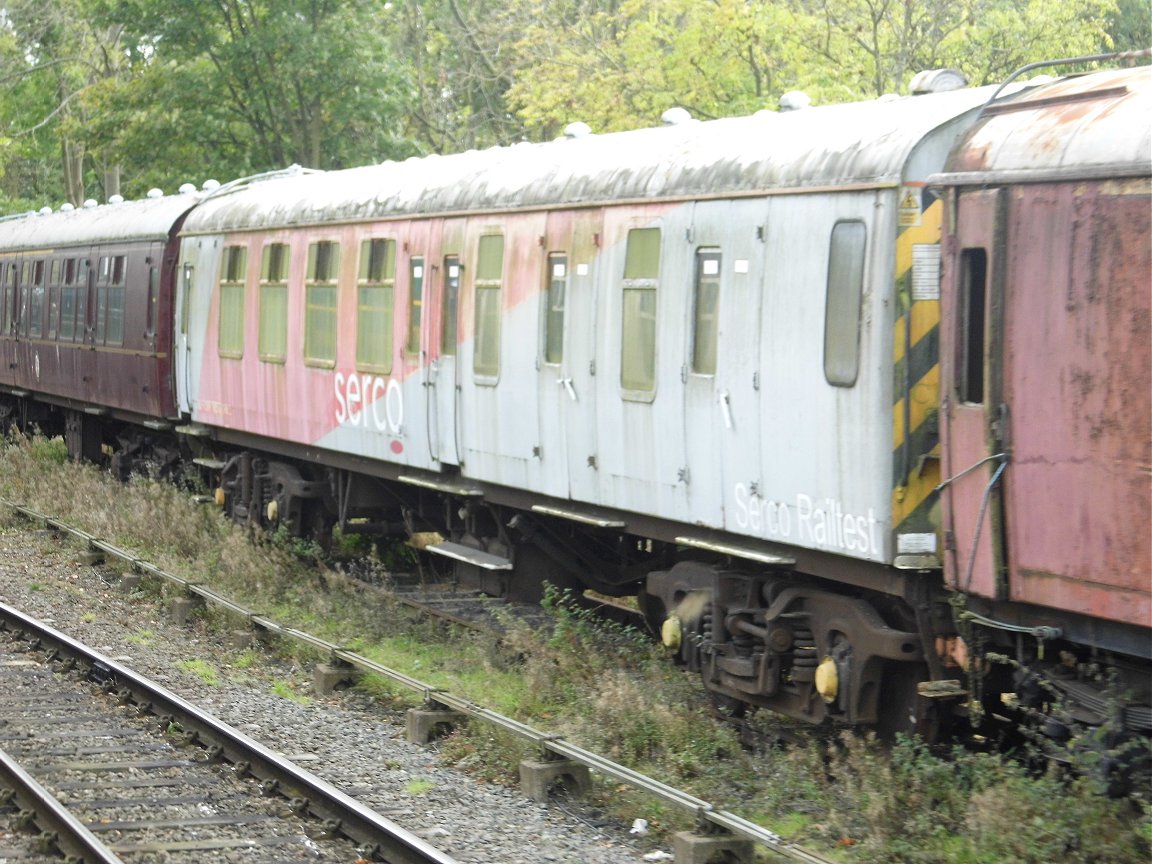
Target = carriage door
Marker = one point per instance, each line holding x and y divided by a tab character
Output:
972	428
444	366
703	406
567	358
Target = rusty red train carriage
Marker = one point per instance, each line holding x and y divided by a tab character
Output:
1047	407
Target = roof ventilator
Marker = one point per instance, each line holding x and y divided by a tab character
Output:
937	81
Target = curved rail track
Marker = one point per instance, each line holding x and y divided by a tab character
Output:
108	766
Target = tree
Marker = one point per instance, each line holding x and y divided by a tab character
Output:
264	84
55	53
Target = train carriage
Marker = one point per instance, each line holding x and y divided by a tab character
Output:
1047	420
86	317
712	335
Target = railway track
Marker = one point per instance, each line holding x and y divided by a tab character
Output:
103	765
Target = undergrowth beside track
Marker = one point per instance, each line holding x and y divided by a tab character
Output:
607	688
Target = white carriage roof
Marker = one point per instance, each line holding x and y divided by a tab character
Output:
146	219
863	143
1097	125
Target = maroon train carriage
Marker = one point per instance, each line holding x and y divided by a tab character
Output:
86	326
1047	407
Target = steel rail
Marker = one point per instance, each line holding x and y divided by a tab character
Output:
343	813
57	824
550	745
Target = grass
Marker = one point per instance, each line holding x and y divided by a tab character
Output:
604	687
201	669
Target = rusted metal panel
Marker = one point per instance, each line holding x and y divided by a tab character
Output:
1094	126
1067	398
859	144
1078	330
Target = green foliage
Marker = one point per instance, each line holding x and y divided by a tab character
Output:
201	669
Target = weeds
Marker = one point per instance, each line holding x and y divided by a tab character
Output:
201	670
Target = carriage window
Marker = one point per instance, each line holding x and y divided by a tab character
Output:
970	363
843	304
374	296
449	306
82	277
5	296
321	290
489	282
415	303
706	320
114	325
34	322
272	343
68	302
554	314
638	346
153	299
233	271
55	287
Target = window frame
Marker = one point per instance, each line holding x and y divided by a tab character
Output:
972	320
272	290
639	299
706	325
415	305
450	305
555	308
232	285
376	282
844	301
487	312
322	304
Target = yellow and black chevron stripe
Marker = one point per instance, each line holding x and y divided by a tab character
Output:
916	360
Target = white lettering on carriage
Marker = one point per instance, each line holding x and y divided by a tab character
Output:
369	402
819	524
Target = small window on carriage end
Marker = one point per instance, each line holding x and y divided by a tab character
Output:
973	323
845	293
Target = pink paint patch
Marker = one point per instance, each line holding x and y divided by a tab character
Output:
397	447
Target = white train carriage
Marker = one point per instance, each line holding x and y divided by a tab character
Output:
716	336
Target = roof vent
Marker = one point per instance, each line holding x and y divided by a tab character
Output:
155	193
578	129
89	203
187	188
795	100
937	81
116	199
66	207
209	185
675	117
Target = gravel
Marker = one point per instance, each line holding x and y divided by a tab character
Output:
347	738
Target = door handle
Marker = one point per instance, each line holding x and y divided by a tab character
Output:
726	408
566	383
